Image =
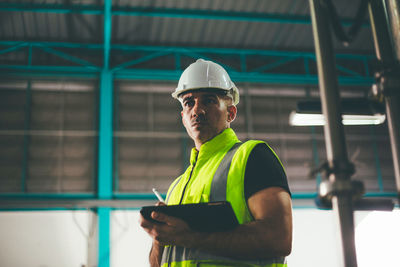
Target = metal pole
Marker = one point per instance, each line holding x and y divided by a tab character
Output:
334	134
393	7
388	53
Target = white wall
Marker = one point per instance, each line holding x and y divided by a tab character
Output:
129	243
43	239
47	239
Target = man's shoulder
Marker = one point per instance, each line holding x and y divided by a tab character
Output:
251	144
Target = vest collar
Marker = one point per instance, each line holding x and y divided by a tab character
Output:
210	147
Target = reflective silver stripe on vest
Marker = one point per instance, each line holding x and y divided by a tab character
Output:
180	178
219	181
185	254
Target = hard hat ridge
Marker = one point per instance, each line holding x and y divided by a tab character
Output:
204	74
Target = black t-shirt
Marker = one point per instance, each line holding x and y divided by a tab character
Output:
263	170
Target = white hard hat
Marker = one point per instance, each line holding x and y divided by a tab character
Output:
206	74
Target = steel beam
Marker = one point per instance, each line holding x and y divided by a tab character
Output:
105	137
172	75
387	49
105	151
69	57
105	166
339	174
122	201
121	71
181	50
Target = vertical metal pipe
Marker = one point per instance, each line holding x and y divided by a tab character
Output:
393	100
387	56
393	117
333	128
380	31
393	7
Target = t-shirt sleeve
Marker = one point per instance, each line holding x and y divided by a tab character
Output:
263	170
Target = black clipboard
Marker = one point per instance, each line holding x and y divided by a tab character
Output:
203	217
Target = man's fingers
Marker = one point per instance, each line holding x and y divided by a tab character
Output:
169	220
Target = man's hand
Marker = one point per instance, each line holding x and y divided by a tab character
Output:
168	230
156	249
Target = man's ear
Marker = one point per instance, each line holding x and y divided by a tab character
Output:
232	110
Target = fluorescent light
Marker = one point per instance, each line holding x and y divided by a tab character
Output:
311	119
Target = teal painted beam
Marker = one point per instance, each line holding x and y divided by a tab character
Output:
13	48
348	71
51	8
151	196
47	74
69	57
178	62
140	60
184	50
52	69
275	64
105	165
275	78
53	44
173	75
105	149
166	12
107	33
104	215
104	211
105	154
48	195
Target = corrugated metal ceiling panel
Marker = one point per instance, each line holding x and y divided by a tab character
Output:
159	31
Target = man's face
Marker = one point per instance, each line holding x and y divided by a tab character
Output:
205	115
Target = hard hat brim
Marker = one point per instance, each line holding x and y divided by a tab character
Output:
177	95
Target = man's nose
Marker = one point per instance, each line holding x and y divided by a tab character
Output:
198	109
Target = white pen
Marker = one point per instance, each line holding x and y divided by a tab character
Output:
158	195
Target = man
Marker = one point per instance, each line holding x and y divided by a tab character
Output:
253	181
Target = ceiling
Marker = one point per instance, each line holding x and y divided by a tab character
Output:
157	39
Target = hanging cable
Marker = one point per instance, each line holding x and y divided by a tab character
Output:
340	33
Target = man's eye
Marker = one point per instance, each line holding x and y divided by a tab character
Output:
188	103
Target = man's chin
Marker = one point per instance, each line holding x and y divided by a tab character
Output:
203	137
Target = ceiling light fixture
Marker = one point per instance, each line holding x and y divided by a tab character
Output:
354	112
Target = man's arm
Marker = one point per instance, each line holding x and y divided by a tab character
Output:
155	254
270	235
156	249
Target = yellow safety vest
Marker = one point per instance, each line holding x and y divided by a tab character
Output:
216	173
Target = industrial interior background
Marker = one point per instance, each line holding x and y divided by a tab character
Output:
85	104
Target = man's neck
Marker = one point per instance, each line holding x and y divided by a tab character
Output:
199	143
